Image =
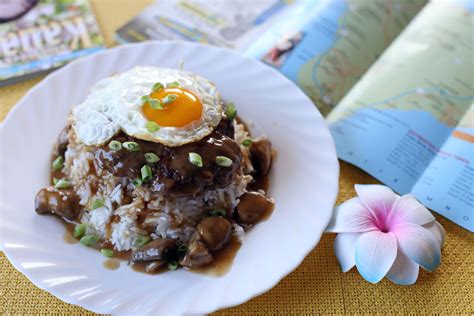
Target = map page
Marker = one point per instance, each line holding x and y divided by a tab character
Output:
326	46
410	120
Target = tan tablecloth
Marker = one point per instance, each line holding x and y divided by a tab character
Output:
317	286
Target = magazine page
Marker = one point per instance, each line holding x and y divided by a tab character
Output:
410	120
40	35
223	23
326	46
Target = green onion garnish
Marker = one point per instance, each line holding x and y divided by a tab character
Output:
109	253
157	86
89	240
79	230
151	158
58	163
152	126
172	84
195	159
169	98
155	104
97	203
172	265
62	184
137	182
146	173
141	240
231	111
55	180
223	161
131	146
144	99
181	249
115	145
218	212
247	142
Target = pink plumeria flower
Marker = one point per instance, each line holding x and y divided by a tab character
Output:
384	234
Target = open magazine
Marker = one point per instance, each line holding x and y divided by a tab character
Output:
395	79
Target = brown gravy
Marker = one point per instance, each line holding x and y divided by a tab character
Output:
223	260
111	264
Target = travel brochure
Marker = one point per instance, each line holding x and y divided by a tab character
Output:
40	35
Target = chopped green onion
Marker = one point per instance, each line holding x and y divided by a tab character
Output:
137	182
89	240
157	86
247	142
144	99
172	265
58	163
97	203
169	98
151	158
79	230
115	145
146	173
62	184
172	84
152	126
223	161
109	253
131	146
155	104
231	111
195	159
218	212
141	240
55	180
182	249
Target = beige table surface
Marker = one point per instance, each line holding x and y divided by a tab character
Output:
317	286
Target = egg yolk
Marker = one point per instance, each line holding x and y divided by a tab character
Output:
185	109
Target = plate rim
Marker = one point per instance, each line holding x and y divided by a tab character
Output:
336	168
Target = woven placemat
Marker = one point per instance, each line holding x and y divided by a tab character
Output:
317	286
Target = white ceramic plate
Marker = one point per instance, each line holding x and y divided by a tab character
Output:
304	183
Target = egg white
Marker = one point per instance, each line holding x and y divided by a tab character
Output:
114	104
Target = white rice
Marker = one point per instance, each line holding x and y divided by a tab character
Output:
173	217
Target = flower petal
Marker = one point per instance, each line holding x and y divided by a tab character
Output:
344	248
379	199
419	244
374	255
437	230
408	210
404	270
351	217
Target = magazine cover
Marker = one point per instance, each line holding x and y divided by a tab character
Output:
40	35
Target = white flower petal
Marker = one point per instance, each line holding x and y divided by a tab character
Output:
419	244
404	270
351	217
408	210
437	230
344	248
379	199
375	254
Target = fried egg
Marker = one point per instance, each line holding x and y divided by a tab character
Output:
167	106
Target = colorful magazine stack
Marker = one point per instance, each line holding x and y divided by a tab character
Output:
40	35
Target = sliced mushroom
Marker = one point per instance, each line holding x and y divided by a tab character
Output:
197	254
62	202
155	250
261	154
252	206
154	266
215	232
